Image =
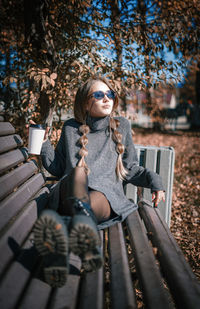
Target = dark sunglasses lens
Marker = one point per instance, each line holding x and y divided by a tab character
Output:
98	95
110	94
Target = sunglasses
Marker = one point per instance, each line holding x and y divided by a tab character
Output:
99	95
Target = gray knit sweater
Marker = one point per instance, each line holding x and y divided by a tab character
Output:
101	161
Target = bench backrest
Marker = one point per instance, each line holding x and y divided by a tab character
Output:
160	160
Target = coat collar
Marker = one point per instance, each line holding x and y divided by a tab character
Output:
98	124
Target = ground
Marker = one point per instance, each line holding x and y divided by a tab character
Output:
186	188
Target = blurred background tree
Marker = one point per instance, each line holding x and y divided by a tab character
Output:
49	47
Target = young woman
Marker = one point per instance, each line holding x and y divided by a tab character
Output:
93	158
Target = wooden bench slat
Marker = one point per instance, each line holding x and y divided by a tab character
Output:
6	128
37	299
181	280
67	296
37	292
10	142
131	190
13	237
15	178
121	285
160	160
155	295
16	278
13	288
17	200
36	296
88	298
166	171
12	158
151	163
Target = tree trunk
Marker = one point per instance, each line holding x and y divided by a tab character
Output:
46	109
197	86
115	19
8	94
142	9
40	42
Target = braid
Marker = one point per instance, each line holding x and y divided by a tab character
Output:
117	138
83	140
80	114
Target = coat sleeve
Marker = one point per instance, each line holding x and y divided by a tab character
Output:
54	160
137	175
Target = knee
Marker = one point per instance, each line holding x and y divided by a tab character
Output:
76	176
79	174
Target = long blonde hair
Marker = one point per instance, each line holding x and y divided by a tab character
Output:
80	114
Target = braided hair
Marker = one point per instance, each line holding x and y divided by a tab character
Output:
80	114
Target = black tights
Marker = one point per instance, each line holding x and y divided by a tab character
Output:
76	185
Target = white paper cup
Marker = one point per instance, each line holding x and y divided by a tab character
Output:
35	139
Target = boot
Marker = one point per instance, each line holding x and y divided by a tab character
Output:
84	238
51	241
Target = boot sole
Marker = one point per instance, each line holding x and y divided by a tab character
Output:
84	241
93	260
51	241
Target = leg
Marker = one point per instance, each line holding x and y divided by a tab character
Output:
84	239
51	235
74	185
100	205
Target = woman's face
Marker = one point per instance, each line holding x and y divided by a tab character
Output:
98	106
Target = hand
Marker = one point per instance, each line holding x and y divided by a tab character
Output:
46	131
157	197
139	192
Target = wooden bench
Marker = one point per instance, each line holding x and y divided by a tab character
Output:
143	264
